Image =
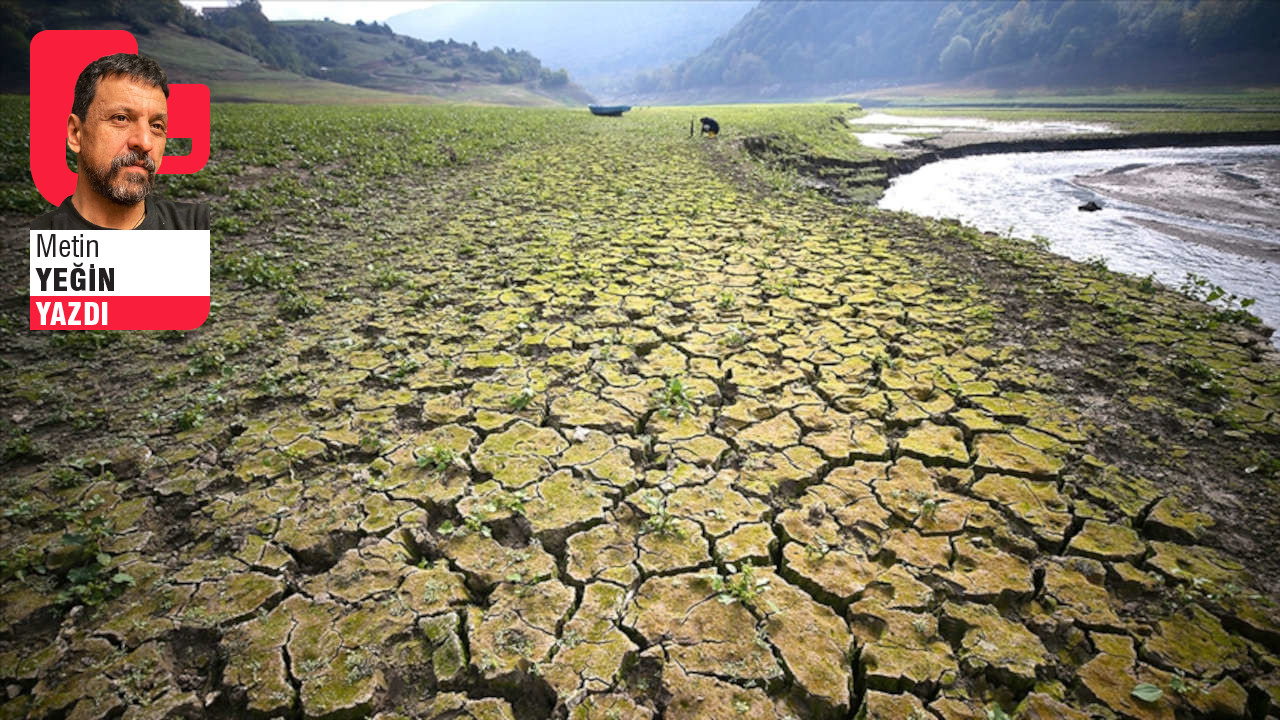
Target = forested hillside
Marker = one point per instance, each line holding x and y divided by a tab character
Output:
1001	42
368	55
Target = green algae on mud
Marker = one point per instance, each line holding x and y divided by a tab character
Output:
965	473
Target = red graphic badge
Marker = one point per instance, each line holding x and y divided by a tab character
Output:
114	255
57	58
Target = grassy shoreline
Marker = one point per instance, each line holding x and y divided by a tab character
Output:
1237	98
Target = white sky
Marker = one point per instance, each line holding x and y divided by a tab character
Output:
343	12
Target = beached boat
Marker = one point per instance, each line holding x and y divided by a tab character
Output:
610	110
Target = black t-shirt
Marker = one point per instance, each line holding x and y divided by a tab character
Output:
161	215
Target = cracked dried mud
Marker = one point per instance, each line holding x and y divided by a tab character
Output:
608	422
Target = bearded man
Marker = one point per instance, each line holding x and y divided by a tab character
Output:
117	129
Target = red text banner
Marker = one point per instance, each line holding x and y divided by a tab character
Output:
119	279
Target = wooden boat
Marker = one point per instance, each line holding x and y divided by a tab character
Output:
609	110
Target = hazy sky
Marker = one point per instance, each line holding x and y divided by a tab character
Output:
343	12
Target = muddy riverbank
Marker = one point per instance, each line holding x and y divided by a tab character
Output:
864	181
1165	212
966	145
1245	193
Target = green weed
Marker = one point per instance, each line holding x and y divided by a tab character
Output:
256	270
660	520
296	305
436	457
1203	376
521	400
736	337
19	446
84	344
674	399
1097	263
1146	692
1229	307
1264	463
743	587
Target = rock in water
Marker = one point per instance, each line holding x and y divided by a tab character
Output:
1090	206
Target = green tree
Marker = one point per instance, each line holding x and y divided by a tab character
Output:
746	69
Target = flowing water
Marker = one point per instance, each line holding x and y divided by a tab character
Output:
1191	221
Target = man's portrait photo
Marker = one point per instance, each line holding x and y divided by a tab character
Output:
117	129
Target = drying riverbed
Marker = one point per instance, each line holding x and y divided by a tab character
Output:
590	419
1212	212
1237	188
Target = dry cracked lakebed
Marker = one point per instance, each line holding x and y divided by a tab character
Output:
612	424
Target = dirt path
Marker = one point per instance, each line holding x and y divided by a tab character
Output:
610	428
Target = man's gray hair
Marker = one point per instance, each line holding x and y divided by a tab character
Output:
138	67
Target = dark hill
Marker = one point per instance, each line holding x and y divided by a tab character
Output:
798	48
242	55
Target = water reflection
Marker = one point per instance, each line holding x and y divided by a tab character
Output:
1036	194
898	129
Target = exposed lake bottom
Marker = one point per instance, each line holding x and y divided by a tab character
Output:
1213	212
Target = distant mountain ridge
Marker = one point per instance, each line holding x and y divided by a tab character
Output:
234	48
601	44
790	46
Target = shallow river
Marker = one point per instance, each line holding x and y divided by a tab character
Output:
1038	194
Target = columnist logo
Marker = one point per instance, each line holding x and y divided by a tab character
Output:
114	255
57	59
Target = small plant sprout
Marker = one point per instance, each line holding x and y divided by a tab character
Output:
404	369
293	455
436	457
358	667
1228	307
742	587
674	399
424	298
882	360
1205	377
929	509
817	549
1181	686
735	337
726	301
521	400
660	520
296	305
503	502
1263	462
474	524
189	418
